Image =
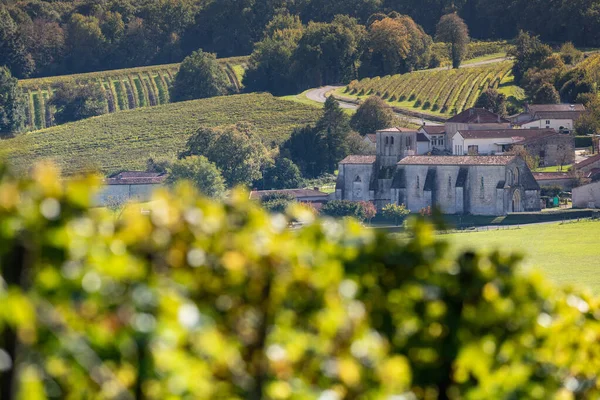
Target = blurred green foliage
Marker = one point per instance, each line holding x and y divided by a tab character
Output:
204	300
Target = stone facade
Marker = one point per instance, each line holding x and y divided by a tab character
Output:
478	185
587	196
557	149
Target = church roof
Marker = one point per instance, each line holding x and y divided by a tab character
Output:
422	138
355	159
457	160
506	133
396	129
461	179
434	129
430	180
372	137
477	116
399	181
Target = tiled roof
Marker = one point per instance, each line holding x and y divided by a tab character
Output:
359	160
535	108
422	138
372	137
297	193
434	129
587	161
477	116
507	133
457	160
547	176
540	115
136	178
396	129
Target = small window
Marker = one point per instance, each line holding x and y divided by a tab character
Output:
473	150
392	140
482	189
387	140
449	186
547	122
418	182
358	179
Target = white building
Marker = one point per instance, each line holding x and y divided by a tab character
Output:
490	142
129	186
587	196
560	117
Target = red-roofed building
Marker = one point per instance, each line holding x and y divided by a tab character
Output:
130	186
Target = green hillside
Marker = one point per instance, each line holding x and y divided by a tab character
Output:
125	140
125	89
440	92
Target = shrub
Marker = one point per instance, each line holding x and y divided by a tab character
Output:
344	208
435	107
392	98
395	212
426	105
224	289
412	97
583	141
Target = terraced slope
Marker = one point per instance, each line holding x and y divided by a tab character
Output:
439	92
125	89
126	140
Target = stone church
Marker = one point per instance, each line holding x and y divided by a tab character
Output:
478	185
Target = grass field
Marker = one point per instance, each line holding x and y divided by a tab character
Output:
442	92
124	89
566	253
125	140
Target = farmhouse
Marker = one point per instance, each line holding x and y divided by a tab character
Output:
549	146
482	185
130	186
560	117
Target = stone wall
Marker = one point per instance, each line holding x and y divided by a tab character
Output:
587	196
482	194
553	150
353	189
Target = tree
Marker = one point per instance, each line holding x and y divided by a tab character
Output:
200	76
395	212
588	122
12	113
85	44
328	53
369	210
13	53
388	46
493	101
213	281
270	63
344	208
569	54
372	115
282	174
452	29
277	202
529	52
546	94
74	101
236	150
317	150
202	173
533	162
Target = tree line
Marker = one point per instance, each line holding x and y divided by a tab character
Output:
40	38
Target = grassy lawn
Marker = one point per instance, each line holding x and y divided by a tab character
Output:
487	57
555	168
125	140
566	253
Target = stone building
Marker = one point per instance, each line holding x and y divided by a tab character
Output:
481	185
587	196
548	145
129	186
560	117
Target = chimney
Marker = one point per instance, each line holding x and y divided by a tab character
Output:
316	188
572	106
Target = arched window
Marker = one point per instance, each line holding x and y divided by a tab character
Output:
449	183
386	140
509	177
358	179
482	189
482	184
392	140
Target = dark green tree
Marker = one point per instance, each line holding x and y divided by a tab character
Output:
303	148
12	113
492	100
85	43
270	63
328	52
372	115
200	76
452	29
236	150
334	129
204	174
13	53
546	94
529	52
282	174
74	101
